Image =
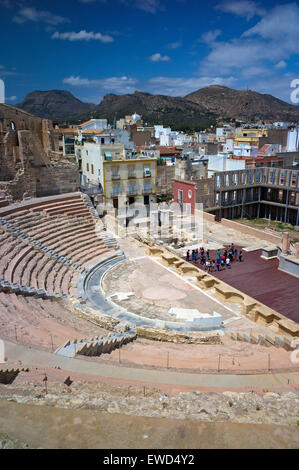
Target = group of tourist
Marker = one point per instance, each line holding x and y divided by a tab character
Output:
223	259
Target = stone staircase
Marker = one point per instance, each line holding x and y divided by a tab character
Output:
14	288
109	239
96	346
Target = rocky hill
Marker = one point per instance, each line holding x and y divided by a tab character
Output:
155	109
54	104
243	105
197	110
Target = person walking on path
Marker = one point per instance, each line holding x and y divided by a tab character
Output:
218	263
228	262
219	253
188	255
235	254
241	256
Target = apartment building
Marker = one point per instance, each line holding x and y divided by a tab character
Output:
117	173
259	192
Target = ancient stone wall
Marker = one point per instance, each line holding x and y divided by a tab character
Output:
26	167
57	179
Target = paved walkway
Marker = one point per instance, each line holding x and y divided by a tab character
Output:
29	356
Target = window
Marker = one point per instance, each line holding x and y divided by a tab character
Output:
147	171
132	189
114	171
147	187
131	171
92	169
87	166
180	196
115	190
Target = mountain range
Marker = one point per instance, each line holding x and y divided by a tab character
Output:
196	110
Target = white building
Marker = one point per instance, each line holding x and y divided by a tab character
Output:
94	124
281	125
293	140
221	162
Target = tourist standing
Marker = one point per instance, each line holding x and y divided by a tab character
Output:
241	256
188	255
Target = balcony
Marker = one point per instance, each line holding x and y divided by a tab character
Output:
131	176
115	177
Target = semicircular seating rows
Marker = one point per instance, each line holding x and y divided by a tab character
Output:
29	235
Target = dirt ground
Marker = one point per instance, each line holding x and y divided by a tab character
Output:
48	427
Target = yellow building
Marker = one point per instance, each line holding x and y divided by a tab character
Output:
134	178
112	169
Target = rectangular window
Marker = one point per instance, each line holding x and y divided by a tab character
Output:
132	189
114	171
87	167
147	187
180	196
115	190
92	169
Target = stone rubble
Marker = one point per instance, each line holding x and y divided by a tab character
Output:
236	407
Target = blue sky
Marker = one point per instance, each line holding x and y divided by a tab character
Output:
95	47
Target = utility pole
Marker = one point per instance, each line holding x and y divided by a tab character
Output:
45	379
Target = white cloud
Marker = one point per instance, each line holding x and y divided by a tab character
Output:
149	6
244	8
111	84
4	72
159	58
83	36
210	36
11	98
260	55
280	65
32	14
279	25
183	86
174	45
239	54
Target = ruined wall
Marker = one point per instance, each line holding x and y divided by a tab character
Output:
26	147
58	179
165	175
